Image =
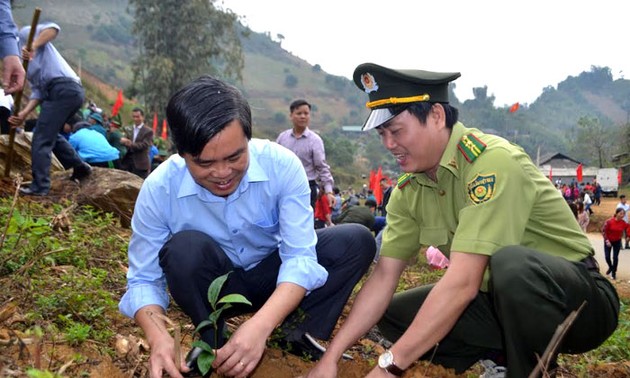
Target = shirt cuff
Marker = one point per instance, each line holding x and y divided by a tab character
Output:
139	296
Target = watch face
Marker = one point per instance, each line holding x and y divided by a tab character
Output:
386	359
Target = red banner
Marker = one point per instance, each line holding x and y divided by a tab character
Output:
514	107
579	172
378	191
118	104
164	130
154	123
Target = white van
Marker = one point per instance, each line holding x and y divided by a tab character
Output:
609	181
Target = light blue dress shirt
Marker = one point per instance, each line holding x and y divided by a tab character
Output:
8	31
269	210
47	64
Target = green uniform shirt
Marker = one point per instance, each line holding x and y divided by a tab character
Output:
484	199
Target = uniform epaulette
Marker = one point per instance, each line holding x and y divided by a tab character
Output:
403	180
471	147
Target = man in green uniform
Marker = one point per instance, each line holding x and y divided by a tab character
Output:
519	263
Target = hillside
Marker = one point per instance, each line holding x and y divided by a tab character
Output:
96	36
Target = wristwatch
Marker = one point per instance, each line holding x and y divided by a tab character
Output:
386	362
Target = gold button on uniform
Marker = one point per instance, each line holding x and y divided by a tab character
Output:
442	192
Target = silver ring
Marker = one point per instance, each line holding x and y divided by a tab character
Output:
241	363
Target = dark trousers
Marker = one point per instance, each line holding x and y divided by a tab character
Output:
530	294
128	165
191	260
314	189
614	261
62	99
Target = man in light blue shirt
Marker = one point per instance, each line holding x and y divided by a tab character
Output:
58	91
229	203
93	147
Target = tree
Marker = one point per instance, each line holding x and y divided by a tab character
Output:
178	42
592	141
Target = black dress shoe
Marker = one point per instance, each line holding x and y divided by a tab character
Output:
81	171
191	363
30	192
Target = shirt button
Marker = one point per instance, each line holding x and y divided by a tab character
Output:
442	192
234	231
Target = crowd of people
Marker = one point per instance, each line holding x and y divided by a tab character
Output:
262	212
79	136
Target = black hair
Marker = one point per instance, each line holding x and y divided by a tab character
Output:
201	109
139	110
370	203
336	190
297	103
421	111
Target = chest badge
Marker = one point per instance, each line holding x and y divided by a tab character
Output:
481	188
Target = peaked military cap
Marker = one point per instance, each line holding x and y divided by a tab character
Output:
388	88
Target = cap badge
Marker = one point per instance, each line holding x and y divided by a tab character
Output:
369	84
481	188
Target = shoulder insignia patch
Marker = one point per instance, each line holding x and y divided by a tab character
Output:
481	188
471	147
403	180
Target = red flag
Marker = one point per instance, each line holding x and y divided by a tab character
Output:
164	130
155	123
579	172
550	175
118	104
378	191
514	107
619	176
371	180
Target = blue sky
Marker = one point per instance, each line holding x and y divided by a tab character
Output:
516	48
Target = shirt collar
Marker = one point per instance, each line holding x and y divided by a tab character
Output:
255	173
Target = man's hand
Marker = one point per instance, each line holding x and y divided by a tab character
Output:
17	120
162	359
125	141
241	354
331	199
12	74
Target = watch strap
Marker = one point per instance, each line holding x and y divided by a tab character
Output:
395	370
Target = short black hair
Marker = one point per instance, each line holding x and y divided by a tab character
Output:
201	109
139	110
370	203
297	103
422	109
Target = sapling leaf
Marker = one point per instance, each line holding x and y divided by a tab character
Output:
204	324
215	289
215	315
203	345
235	298
204	362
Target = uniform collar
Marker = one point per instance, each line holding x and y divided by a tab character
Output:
448	162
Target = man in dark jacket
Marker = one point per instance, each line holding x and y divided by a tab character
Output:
353	213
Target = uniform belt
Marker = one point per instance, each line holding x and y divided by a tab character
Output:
591	263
